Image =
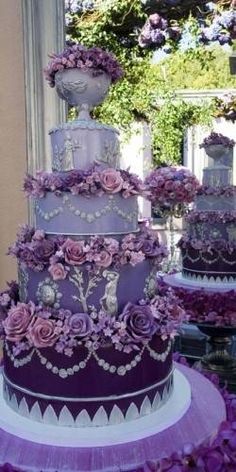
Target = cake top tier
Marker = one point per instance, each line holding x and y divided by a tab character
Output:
82	77
219	150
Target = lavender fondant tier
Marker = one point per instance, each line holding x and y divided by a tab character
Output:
210	231
91	388
79	215
217	176
109	289
82	143
215	202
213	264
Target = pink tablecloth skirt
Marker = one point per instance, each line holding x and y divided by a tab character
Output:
199	423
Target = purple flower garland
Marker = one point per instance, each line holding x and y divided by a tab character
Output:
212	308
228	191
211	217
27	325
77	56
207	246
93	182
36	251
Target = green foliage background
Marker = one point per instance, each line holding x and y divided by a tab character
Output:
148	91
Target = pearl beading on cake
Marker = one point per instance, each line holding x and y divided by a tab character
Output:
112	369
200	257
89	217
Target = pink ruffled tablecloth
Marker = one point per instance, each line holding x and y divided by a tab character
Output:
198	424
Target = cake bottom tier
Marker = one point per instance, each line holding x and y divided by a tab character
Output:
215	264
91	388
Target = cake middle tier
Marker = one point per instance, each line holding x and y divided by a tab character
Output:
80	215
84	291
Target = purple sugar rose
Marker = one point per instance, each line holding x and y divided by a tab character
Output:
43	332
17	321
111	180
74	252
43	249
79	324
103	259
139	320
57	271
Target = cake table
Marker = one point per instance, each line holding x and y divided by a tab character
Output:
192	415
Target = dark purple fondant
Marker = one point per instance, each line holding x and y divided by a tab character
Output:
211	264
92	381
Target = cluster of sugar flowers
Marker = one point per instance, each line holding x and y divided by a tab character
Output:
93	182
38	252
168	186
27	325
214	216
217	139
209	245
218	309
77	56
228	191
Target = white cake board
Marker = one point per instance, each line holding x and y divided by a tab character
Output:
178	280
158	421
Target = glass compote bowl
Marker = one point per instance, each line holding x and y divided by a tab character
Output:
82	88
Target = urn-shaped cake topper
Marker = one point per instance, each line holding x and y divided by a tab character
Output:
82	76
218	147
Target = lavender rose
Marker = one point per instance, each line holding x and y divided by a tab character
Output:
17	321
103	259
74	252
111	180
43	332
79	324
57	271
43	249
139	321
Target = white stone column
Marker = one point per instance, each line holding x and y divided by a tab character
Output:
43	33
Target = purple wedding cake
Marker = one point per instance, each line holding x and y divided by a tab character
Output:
87	338
208	246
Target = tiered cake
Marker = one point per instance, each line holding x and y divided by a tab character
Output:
208	247
87	343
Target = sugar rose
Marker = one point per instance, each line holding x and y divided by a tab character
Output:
57	271
43	332
74	252
139	320
103	259
79	324
17	321
111	180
